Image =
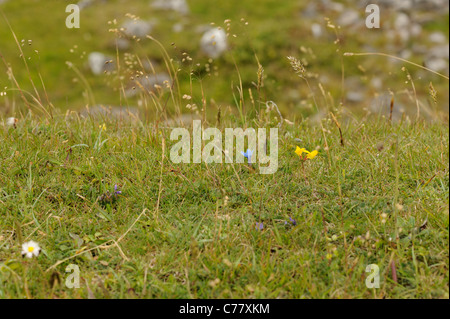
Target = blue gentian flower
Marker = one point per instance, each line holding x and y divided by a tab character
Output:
116	192
259	226
248	155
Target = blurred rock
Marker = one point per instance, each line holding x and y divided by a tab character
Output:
179	6
419	48
355	96
376	83
184	119
310	11
202	28
405	54
437	37
437	64
356	90
402	25
390	35
348	17
314	7
381	104
416	30
84	4
405	28
121	43
411	5
177	27
316	30
333	6
149	65
214	42
136	28
401	4
149	82
440	51
108	111
87	3
99	63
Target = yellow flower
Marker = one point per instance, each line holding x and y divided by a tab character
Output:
312	154
102	127
299	151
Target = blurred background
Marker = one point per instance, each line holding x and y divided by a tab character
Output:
231	55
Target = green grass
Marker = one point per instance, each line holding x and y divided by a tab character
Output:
189	230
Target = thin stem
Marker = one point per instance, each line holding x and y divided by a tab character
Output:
397	58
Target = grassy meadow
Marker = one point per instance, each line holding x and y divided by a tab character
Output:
100	191
189	230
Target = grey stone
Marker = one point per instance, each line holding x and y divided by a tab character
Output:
310	11
179	6
376	83
439	51
316	30
99	63
355	96
214	42
185	119
437	64
177	27
334	6
202	28
405	54
111	112
419	48
402	25
411	5
136	28
437	37
381	104
84	4
348	18
416	30
148	83
122	44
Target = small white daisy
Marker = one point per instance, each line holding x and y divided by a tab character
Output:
11	121
30	248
